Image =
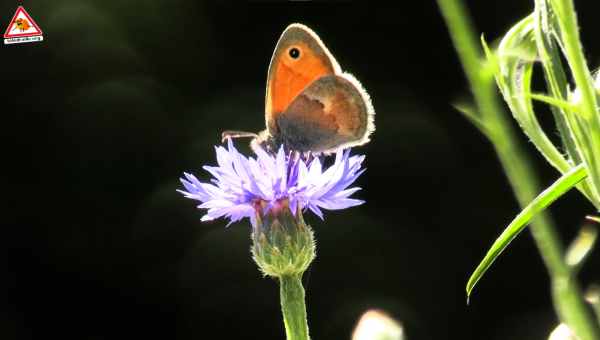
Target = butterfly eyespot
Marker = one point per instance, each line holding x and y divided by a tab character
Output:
294	53
315	88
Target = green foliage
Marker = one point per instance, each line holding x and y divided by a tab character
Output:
534	39
566	182
550	32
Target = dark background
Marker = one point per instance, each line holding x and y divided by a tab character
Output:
100	120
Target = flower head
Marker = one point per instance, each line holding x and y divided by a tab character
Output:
244	186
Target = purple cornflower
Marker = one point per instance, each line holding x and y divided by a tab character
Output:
244	186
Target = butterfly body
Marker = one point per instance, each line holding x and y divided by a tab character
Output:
310	105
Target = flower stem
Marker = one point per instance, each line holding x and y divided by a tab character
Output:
293	307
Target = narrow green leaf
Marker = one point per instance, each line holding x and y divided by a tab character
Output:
516	55
548	36
556	102
566	182
473	116
493	61
567	21
593	218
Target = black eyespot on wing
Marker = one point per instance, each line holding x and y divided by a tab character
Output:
294	53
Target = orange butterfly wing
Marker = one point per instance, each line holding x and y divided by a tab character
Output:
299	59
333	112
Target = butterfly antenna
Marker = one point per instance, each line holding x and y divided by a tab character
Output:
237	134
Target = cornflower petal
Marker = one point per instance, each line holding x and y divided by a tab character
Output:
238	164
224	161
314	170
281	171
303	176
267	162
344	194
338	205
315	209
239	183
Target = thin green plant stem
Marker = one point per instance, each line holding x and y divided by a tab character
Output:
568	297
293	307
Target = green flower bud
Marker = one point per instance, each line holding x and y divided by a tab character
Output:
283	243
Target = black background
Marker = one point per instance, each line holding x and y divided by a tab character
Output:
100	120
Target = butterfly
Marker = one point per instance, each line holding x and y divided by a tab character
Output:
310	106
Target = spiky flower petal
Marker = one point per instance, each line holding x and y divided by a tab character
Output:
242	186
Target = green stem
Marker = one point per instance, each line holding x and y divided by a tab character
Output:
566	292
293	307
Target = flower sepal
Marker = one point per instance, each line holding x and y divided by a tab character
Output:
283	243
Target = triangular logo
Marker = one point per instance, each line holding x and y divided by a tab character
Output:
21	25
